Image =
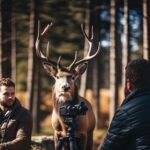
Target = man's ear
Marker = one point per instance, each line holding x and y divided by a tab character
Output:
50	69
130	85
80	69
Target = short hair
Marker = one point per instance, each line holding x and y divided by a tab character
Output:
138	72
7	82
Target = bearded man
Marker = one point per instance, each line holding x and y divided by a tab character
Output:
15	120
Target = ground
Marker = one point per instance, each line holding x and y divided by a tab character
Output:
46	142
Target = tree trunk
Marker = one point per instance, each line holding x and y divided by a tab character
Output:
125	45
148	25
95	21
83	82
113	63
0	39
31	57
36	102
6	37
95	90
33	69
13	43
145	31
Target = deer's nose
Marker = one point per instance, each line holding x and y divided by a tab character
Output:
66	87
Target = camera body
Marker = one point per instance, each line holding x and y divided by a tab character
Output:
71	111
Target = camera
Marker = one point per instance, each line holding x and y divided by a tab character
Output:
73	110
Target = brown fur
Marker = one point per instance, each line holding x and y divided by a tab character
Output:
85	125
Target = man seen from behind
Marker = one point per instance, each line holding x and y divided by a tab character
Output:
130	126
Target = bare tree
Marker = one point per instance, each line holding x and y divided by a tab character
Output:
145	30
95	89
148	25
31	56
13	44
87	24
91	18
0	38
113	62
33	82
125	43
6	37
36	102
95	63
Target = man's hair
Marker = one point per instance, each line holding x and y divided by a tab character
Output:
138	72
7	82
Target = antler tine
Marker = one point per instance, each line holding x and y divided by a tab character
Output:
74	61
88	39
88	56
37	41
58	63
47	51
46	29
39	37
84	33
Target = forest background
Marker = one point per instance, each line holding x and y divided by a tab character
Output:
121	26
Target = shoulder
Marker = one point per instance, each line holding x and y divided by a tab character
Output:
136	104
120	116
25	112
82	99
22	109
19	108
22	113
25	117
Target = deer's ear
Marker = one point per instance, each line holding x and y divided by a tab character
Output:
50	69
80	69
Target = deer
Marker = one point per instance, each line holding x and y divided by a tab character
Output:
65	89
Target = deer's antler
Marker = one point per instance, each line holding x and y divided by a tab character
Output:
39	53
57	65
88	56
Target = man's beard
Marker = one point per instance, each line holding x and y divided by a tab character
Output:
6	105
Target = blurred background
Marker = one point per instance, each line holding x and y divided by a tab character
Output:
121	26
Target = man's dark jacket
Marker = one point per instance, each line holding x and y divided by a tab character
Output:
16	128
130	127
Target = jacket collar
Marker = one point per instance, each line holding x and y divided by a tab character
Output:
10	111
16	104
145	90
14	107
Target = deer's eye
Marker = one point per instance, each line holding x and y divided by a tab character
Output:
57	77
69	77
73	77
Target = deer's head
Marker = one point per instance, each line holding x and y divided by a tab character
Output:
64	88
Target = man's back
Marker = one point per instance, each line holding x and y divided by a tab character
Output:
138	115
130	128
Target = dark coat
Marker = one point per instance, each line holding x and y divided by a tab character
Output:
15	129
130	127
